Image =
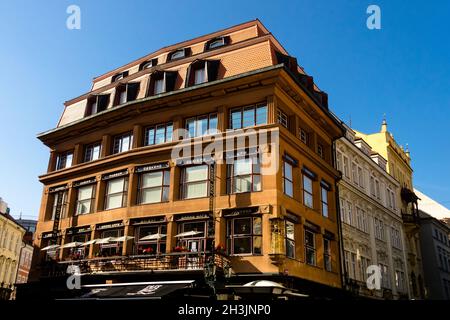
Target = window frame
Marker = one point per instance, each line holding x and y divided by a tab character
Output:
124	193
290	241
185	184
306	193
167	139
92	146
252	235
121	137
64	155
164	188
196	119
311	248
91	199
232	177
255	108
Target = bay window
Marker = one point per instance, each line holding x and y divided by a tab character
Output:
244	235
116	193
154	186
195	181
244	176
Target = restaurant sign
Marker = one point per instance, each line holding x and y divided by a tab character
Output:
152	167
240	211
110	226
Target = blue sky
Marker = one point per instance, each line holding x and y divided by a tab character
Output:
402	70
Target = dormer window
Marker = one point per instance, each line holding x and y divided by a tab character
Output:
178	54
126	92
201	71
148	64
216	43
97	103
119	76
162	81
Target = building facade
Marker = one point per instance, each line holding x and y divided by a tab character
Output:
435	245
267	202
399	167
372	230
11	235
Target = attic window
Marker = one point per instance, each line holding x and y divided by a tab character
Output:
178	54
201	71
126	92
97	103
216	43
148	64
119	76
162	81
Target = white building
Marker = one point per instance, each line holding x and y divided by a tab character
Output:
372	229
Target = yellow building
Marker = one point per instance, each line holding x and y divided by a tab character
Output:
11	234
399	166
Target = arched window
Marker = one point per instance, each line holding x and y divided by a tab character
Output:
179	54
148	64
217	43
119	76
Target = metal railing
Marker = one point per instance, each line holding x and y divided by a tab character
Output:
180	261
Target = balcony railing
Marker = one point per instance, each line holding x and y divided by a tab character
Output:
183	261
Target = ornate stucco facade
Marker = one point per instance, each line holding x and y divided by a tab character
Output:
372	230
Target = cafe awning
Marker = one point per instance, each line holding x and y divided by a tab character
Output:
155	236
188	234
51	247
133	290
104	240
88	243
71	245
121	239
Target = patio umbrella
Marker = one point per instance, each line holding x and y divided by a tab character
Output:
51	247
88	243
72	245
155	236
104	240
188	234
121	239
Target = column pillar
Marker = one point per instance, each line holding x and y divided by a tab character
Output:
137	136
127	245
106	145
171	233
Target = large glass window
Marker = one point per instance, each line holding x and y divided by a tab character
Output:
201	125
310	247
244	235
151	239
116	193
290	239
123	142
160	133
244	176
64	160
85	199
308	191
92	152
195	181
288	185
200	75
248	116
202	238
154	186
